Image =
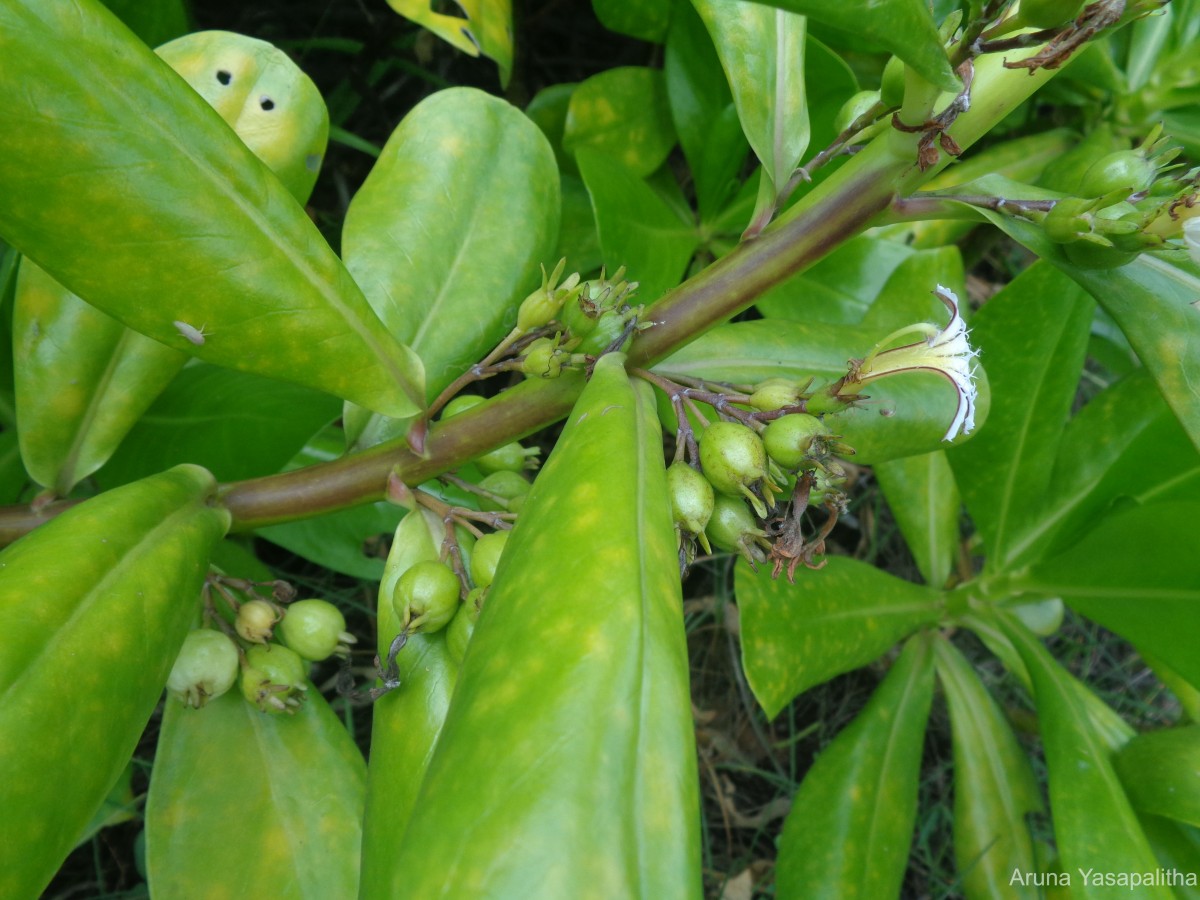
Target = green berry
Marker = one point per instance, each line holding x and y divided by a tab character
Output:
316	629
486	556
461	403
775	393
789	439
733	458
462	626
543	359
206	667
732	526
512	486
426	596
691	498
256	620
509	458
275	678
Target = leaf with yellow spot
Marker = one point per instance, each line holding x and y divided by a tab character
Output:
1095	826
851	823
94	606
247	804
577	675
830	621
127	188
622	113
446	235
485	27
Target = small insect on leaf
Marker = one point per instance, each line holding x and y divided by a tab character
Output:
195	335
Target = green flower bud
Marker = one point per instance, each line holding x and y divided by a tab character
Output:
206	667
486	556
540	307
256	621
316	629
1127	171
426	597
775	393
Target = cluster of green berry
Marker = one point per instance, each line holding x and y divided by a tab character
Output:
751	477
268	648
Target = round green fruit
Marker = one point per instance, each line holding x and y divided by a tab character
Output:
733	458
426	597
486	556
459	404
509	458
732	526
256	620
691	498
315	629
206	667
275	678
511	486
789	439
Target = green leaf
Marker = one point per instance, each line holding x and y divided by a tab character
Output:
831	621
82	380
851	823
584	698
622	113
638	229
1138	574
994	787
277	814
119	806
1161	773
903	27
235	424
87	649
446	235
1032	337
906	414
908	295
548	110
154	21
643	19
13	478
1084	789
485	27
762	52
703	111
1177	846
190	227
839	289
406	722
578	239
1125	446
923	496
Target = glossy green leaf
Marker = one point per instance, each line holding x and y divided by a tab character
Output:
584	698
1084	789
908	295
185	212
485	27
447	233
762	52
905	414
247	804
407	721
88	646
235	424
1138	574
119	806
841	287
923	496
1125	446
703	111
578	239
154	21
994	787
637	228
1161	773
904	27
643	19
82	378
830	621
1177	846
622	113
13	478
548	110
851	823
1151	299
1032	337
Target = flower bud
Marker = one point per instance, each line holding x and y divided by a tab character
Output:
776	393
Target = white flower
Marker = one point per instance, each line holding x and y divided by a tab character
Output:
1191	237
947	352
